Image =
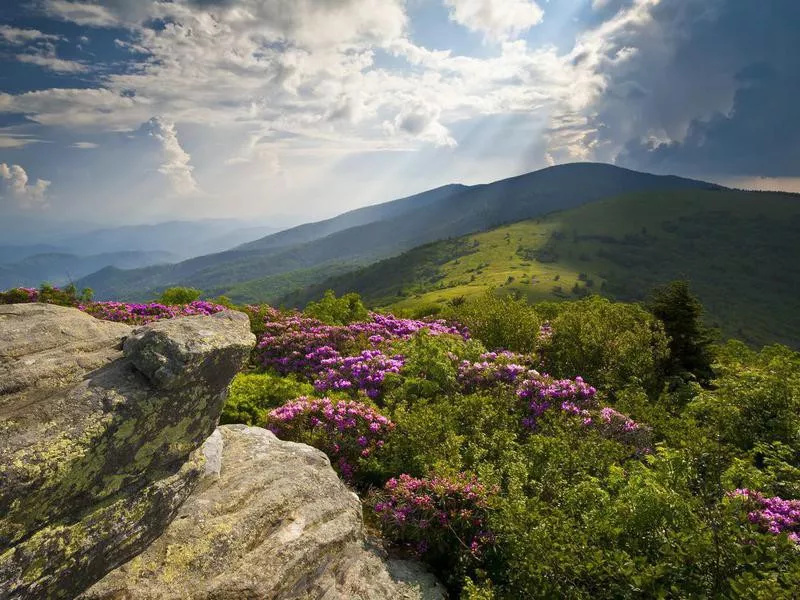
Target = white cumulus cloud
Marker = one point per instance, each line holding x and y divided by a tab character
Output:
175	165
15	184
496	19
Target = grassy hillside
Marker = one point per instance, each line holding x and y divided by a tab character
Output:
398	226
738	249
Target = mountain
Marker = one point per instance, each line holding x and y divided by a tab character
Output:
182	238
61	268
738	250
362	216
395	226
12	254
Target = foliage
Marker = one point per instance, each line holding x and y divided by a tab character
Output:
605	477
179	295
66	296
337	311
138	314
755	397
252	395
736	248
689	339
349	432
435	515
544	451
613	345
500	323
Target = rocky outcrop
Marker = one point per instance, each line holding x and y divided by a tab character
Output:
269	520
107	434
99	438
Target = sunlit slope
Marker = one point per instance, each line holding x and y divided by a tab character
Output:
378	232
740	250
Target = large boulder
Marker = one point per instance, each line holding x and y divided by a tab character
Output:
99	438
270	519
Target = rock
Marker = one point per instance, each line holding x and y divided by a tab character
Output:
98	444
276	523
44	346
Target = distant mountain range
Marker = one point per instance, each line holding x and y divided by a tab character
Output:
306	253
74	255
59	268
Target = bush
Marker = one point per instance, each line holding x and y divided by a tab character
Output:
613	345
175	296
443	519
500	323
337	311
68	296
252	395
349	432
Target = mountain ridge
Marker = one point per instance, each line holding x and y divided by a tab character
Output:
737	249
447	211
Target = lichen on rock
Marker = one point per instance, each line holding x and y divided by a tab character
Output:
275	523
96	445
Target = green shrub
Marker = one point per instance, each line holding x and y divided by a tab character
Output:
431	366
175	296
337	311
499	322
66	296
252	395
612	345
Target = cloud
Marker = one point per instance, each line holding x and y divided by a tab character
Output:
308	22
280	92
17	36
421	121
84	145
82	13
496	19
15	185
85	108
10	140
175	164
47	59
699	87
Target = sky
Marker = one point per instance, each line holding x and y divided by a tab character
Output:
137	111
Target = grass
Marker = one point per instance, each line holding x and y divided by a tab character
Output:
739	250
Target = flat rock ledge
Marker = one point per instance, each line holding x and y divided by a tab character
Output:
269	519
100	430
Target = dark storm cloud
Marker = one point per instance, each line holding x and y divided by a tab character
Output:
729	91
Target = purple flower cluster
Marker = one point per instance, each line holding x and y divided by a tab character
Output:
19	295
298	344
542	393
139	314
428	513
773	515
347	431
617	426
32	293
545	333
492	369
365	371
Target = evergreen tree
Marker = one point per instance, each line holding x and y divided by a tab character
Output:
690	340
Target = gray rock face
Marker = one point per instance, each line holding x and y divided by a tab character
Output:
44	346
98	444
276	522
